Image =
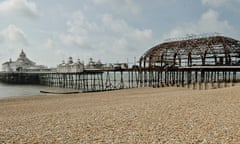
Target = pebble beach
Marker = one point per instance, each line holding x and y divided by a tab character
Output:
145	115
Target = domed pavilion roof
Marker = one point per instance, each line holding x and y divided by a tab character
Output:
199	51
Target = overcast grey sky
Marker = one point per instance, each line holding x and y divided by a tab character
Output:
111	30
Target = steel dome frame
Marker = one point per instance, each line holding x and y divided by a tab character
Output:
203	51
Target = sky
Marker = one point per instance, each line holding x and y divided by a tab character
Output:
50	31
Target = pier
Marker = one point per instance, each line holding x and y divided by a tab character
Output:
195	62
201	77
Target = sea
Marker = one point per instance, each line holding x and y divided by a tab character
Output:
10	90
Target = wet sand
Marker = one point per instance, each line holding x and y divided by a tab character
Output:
145	115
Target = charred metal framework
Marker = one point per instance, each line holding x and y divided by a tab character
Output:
205	51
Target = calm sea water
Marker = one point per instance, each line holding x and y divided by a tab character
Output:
7	90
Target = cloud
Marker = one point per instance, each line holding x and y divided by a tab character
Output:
74	39
229	5
1	38
209	22
50	43
106	35
19	7
215	3
120	5
79	23
79	29
13	35
114	25
121	28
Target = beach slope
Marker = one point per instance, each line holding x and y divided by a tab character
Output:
145	115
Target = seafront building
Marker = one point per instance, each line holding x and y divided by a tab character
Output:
79	66
94	64
91	65
22	64
70	66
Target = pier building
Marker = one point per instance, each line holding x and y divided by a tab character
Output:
22	64
94	64
70	66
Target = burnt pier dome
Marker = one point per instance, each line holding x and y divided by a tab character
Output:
201	51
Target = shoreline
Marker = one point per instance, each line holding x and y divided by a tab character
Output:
140	115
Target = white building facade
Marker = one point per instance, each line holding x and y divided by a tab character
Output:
22	64
94	64
70	66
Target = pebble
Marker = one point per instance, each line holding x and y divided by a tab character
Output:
164	115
